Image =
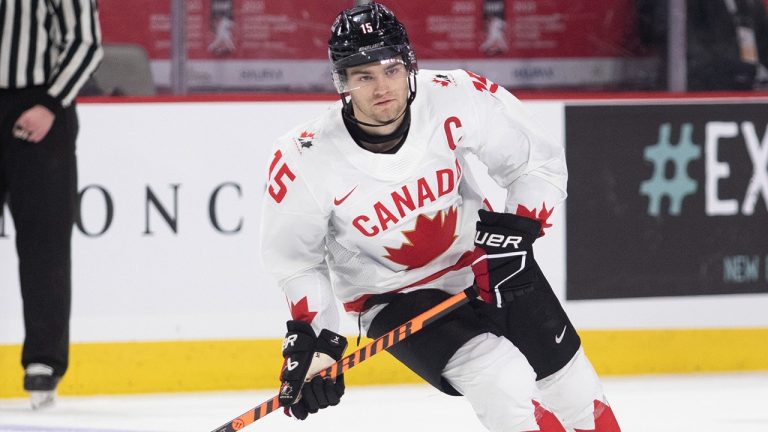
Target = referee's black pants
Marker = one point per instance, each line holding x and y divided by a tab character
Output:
38	181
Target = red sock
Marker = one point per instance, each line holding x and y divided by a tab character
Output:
547	421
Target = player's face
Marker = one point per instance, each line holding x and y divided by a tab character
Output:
380	90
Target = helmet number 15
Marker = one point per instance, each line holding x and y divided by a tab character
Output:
277	187
366	28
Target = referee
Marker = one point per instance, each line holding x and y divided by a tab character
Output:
48	49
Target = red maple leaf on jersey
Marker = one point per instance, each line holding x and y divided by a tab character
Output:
300	311
441	82
482	83
427	241
304	141
542	216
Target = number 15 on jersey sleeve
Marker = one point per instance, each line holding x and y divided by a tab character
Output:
277	186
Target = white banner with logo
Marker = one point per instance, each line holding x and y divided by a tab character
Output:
167	248
168	245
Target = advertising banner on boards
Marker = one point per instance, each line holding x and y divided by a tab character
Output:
667	199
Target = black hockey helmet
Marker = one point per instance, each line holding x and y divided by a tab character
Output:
366	34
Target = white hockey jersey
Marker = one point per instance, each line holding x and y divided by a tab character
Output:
340	220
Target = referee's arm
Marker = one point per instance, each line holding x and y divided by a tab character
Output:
82	52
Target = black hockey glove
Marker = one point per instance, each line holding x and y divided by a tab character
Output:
505	271
304	356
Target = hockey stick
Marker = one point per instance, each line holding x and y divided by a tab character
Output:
361	354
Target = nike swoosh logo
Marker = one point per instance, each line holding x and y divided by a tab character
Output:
559	338
337	201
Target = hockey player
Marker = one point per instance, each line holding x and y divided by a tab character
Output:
372	204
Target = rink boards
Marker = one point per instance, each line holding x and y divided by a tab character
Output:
170	292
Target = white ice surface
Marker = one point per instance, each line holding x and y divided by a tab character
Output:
684	403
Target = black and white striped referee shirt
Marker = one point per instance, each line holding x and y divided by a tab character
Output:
51	43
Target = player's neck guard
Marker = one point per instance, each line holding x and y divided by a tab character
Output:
379	143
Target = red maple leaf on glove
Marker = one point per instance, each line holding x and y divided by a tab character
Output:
542	215
427	241
300	311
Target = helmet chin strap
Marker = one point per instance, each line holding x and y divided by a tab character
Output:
362	136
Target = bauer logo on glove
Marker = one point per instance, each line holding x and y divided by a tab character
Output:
503	270
497	240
